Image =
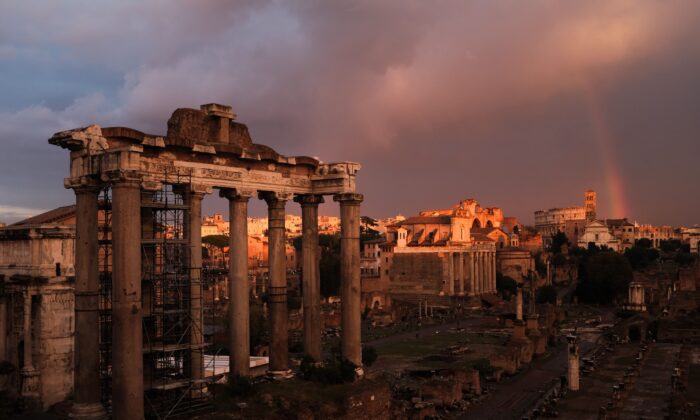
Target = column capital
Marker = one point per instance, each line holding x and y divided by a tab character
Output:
271	197
309	199
349	198
236	194
87	188
199	190
120	176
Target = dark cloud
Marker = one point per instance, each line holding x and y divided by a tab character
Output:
501	101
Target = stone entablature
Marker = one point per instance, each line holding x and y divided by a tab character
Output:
112	153
37	251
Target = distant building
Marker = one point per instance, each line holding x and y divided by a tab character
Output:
570	220
623	231
443	252
599	234
656	234
691	236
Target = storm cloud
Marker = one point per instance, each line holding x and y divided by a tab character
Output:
521	105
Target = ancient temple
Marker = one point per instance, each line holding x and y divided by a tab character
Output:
138	290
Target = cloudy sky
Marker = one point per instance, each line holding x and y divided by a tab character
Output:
519	104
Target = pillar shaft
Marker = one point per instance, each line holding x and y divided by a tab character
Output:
86	378
27	327
462	274
351	334
196	331
310	275
238	288
127	333
3	327
279	353
450	274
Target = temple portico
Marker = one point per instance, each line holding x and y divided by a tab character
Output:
149	249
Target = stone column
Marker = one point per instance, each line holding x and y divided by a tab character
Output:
238	288
127	333
197	329
493	273
477	272
29	374
462	274
470	273
519	304
86	377
450	274
573	364
310	275
3	327
279	353
351	334
484	272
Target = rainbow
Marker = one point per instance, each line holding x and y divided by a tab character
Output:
606	146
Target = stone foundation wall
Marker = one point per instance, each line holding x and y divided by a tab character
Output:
417	273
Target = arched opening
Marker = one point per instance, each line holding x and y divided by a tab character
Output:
489	224
476	224
376	304
516	230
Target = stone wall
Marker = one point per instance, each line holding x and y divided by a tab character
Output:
417	273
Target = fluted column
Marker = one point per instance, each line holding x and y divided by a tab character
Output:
310	275
462	273
3	327
482	272
351	334
195	238
279	353
127	333
493	272
238	288
86	376
450	274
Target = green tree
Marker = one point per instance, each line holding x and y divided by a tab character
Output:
505	285
640	256
329	265
547	294
219	241
367	233
558	241
603	276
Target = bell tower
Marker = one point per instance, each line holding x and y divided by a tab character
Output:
590	203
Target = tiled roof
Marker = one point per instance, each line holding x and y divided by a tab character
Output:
56	215
415	220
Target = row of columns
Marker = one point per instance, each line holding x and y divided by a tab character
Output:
239	289
472	273
127	338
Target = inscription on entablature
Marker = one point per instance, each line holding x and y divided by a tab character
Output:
217	174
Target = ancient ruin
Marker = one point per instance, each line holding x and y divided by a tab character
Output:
138	287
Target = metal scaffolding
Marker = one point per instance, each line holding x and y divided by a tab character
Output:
166	285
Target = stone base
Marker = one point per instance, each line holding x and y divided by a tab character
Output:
88	411
280	374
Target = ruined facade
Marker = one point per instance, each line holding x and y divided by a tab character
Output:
436	253
552	221
37	308
137	272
